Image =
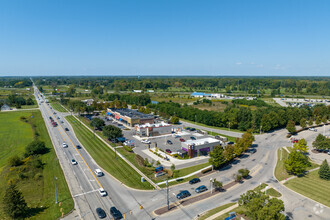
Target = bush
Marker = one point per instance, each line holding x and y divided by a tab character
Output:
35	147
128	149
15	161
244	172
139	160
238	177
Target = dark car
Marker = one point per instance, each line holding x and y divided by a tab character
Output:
66	129
168	151
169	142
252	151
101	213
182	140
200	189
192	138
188	128
78	147
195	180
183	194
192	129
115	213
230	142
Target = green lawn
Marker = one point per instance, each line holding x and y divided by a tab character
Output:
260	187
178	181
239	209
106	157
58	107
311	186
280	172
216	210
272	192
15	135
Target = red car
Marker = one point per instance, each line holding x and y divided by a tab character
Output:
168	151
294	141
182	140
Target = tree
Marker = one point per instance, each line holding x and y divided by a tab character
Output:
303	123
324	171
244	172
98	123
291	127
324	119
321	142
311	121
216	157
261	206
217	184
172	167
133	106
14	203
237	177
228	152
318	120
301	146
15	161
296	163
175	119
35	147
112	132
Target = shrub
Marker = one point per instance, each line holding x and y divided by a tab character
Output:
35	147
157	163
146	162
15	161
128	149
238	177
244	172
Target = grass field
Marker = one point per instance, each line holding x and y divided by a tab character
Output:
272	192
216	210
106	157
15	135
311	186
58	107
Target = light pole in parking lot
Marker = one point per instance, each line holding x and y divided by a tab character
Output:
168	200
55	189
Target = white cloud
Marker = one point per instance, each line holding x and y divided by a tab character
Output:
239	63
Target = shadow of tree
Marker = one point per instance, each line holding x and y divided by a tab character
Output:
34	211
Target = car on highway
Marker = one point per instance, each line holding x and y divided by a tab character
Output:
200	189
62	122
102	192
78	146
183	194
115	213
100	213
182	140
64	145
98	172
169	142
74	162
193	181
192	138
54	113
66	129
147	141
168	151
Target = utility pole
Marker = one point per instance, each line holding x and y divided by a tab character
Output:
211	184
167	195
56	189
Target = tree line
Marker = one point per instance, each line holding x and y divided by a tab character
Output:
17	101
243	118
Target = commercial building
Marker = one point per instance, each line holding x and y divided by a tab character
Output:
130	117
149	130
200	146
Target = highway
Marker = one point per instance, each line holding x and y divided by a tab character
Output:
84	184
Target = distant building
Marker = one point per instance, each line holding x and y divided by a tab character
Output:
137	91
130	117
5	107
151	91
199	146
88	102
200	95
149	130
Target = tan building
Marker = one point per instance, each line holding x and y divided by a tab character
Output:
149	130
130	117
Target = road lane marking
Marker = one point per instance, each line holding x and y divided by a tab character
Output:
81	194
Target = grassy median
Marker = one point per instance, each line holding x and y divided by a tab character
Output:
38	191
58	107
216	210
105	157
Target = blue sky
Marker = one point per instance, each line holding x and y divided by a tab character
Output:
165	37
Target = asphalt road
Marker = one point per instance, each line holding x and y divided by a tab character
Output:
83	184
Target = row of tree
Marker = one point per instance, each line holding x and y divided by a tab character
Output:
17	101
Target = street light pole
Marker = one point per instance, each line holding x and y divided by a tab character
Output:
211	184
56	189
168	200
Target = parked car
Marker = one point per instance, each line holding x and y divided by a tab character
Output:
100	213
169	142
183	194
188	128
58	117
74	162
168	151
182	140
66	129
62	122
192	138
195	180
146	141
115	213
177	136
102	192
312	129
78	147
200	189
64	145
230	142
192	129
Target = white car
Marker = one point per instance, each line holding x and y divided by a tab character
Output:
74	162
64	145
312	129
102	192
146	141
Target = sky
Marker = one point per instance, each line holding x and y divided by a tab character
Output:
165	37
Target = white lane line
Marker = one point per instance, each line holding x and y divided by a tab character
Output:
85	193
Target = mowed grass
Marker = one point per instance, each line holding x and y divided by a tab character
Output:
216	210
58	107
311	186
280	171
105	157
15	135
